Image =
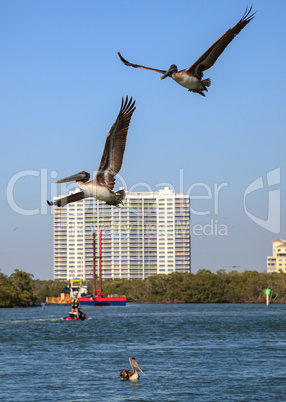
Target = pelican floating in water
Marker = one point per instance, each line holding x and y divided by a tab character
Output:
131	375
191	77
102	185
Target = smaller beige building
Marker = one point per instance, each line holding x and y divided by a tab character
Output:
277	262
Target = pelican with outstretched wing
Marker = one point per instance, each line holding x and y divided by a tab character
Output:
102	185
131	375
191	77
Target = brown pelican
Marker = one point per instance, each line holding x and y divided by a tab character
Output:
191	77
102	185
131	375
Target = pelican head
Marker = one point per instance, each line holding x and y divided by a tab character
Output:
172	69
81	176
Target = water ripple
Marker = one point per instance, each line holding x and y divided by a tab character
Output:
188	352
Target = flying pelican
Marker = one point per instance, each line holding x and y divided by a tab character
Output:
131	375
191	77
102	185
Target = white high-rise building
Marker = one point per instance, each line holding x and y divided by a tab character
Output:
149	234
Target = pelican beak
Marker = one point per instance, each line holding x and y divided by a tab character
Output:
137	366
76	177
168	73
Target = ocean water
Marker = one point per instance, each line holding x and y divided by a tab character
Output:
191	352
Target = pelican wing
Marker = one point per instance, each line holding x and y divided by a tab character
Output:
137	65
210	56
114	148
61	202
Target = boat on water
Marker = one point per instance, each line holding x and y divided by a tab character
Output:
77	286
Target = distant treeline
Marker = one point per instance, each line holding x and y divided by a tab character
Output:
17	290
203	287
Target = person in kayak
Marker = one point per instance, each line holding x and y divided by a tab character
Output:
75	305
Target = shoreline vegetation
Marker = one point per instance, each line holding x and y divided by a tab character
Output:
20	289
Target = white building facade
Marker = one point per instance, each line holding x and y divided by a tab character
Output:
149	234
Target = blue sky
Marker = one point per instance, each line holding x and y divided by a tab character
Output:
61	90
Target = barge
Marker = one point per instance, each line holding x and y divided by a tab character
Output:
77	285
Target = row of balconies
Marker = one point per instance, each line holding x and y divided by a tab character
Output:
134	231
124	251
